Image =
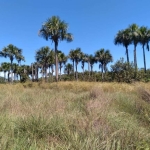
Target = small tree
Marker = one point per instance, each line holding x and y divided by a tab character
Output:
42	57
68	69
62	59
103	57
77	59
122	71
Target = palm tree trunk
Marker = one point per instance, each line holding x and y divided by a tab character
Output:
56	62
127	53
11	73
5	76
49	69
89	68
42	73
60	73
14	76
37	71
135	59
83	72
102	72
49	72
52	72
8	76
92	70
73	69
17	77
76	72
144	59
45	73
32	71
20	77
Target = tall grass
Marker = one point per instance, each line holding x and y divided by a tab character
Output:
75	115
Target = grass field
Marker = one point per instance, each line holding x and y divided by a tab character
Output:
75	116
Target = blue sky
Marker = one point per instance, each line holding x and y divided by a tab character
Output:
93	23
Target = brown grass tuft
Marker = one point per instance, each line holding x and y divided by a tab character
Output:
96	92
98	108
145	94
99	100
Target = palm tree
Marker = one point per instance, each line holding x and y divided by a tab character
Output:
104	57
19	71
68	68
12	52
0	70
77	59
23	71
88	61
20	57
15	70
55	30
83	60
33	70
72	57
36	69
134	31
62	59
108	59
42	56
144	35
92	60
51	62
5	68
123	38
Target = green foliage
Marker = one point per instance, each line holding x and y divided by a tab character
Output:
24	78
122	71
2	80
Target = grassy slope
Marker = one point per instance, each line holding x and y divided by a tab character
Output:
75	115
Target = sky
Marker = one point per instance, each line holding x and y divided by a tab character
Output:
93	23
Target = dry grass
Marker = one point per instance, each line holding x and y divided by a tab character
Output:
75	115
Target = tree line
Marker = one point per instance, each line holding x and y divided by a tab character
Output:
45	62
48	60
134	35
